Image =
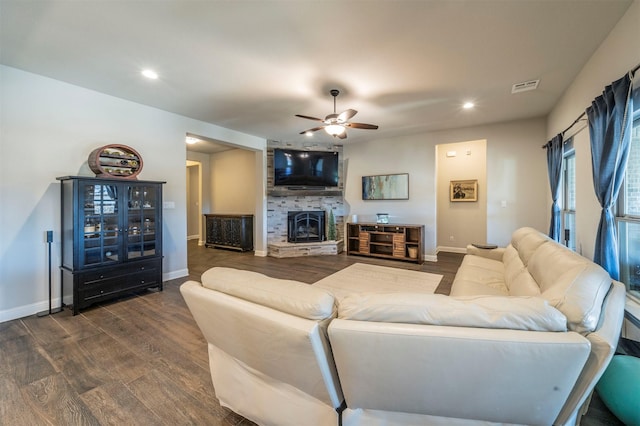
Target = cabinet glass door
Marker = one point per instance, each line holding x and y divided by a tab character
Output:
142	217
99	236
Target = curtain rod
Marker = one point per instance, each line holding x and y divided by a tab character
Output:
581	116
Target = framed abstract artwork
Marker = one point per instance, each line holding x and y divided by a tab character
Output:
386	187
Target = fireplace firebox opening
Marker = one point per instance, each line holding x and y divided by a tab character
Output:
306	226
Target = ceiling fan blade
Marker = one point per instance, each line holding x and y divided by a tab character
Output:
361	126
309	118
315	129
345	115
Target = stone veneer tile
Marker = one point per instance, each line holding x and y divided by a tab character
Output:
279	207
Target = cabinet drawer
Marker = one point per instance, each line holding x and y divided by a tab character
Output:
91	277
399	238
104	288
399	249
148	278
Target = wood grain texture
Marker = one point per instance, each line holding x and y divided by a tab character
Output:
142	360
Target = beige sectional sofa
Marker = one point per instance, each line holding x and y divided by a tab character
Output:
523	338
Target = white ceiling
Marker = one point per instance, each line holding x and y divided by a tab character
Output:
406	66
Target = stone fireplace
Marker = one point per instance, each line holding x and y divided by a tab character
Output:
306	226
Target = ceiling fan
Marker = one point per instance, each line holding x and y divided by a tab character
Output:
336	124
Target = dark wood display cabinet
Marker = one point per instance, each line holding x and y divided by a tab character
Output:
389	241
111	238
232	231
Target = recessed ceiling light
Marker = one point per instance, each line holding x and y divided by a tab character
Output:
309	134
150	74
468	105
191	140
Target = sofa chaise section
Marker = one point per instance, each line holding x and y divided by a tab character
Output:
269	357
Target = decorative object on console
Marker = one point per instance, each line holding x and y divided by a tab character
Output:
119	161
382	217
386	187
463	190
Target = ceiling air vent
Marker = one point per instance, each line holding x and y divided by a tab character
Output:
525	86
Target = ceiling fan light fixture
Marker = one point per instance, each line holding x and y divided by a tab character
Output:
334	129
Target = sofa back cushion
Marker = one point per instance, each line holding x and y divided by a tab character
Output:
516	276
287	296
573	284
506	312
526	241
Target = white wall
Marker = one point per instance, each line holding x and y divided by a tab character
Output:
619	53
47	129
233	189
461	223
516	174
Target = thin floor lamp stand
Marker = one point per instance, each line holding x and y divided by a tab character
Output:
56	310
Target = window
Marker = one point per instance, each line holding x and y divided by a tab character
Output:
569	195
629	217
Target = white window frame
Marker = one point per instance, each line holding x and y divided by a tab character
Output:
624	219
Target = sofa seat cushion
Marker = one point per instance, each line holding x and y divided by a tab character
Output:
287	296
479	276
571	283
515	313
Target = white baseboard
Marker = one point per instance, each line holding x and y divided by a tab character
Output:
193	237
430	257
175	274
260	253
462	250
27	310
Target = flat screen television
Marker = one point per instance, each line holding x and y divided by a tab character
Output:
305	168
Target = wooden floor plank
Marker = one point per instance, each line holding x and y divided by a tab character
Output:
81	370
114	404
54	400
173	404
14	410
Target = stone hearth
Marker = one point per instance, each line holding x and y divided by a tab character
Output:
281	250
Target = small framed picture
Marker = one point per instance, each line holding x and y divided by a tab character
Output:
463	190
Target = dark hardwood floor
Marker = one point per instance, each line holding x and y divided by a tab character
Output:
141	360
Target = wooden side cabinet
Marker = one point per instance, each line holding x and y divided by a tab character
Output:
111	238
390	241
229	231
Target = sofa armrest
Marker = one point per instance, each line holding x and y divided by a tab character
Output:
494	254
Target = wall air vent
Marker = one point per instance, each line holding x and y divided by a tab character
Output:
525	86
